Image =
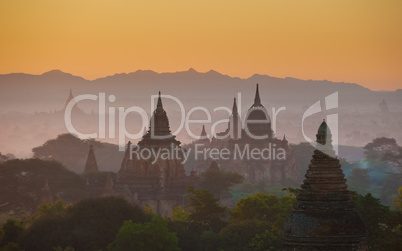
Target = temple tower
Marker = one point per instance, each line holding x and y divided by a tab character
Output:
235	122
203	137
108	189
91	165
257	120
68	99
158	181
159	133
324	216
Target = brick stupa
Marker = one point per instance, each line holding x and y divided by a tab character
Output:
324	216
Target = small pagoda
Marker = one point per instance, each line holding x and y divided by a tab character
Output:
91	165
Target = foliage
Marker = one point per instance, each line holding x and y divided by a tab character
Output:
6	157
268	241
179	214
240	235
263	207
72	152
397	200
69	248
49	210
294	191
241	191
87	225
391	184
11	246
188	233
22	181
359	180
254	218
385	149
211	241
152	235
149	211
381	223
246	188
206	210
11	231
66	148
216	181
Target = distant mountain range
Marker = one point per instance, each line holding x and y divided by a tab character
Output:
45	92
21	95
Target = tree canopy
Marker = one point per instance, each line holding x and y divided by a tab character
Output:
385	149
87	225
153	236
73	151
216	181
205	209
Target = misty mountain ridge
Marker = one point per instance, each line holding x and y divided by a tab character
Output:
360	115
56	73
45	92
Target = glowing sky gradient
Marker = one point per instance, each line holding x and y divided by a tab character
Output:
339	40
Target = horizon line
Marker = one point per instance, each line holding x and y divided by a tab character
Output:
191	69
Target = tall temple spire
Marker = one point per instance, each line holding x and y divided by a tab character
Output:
203	137
258	112
257	100
324	216
159	123
234	109
69	98
91	165
203	132
159	130
159	105
234	122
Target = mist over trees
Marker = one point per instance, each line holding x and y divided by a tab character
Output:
111	223
253	222
72	152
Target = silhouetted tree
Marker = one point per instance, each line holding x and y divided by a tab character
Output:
263	207
4	158
216	181
88	225
270	240
359	180
24	179
385	149
206	210
383	225
153	235
397	200
72	152
11	232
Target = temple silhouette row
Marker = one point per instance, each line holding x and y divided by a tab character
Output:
324	216
160	184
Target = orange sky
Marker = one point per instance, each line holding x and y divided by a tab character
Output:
339	40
